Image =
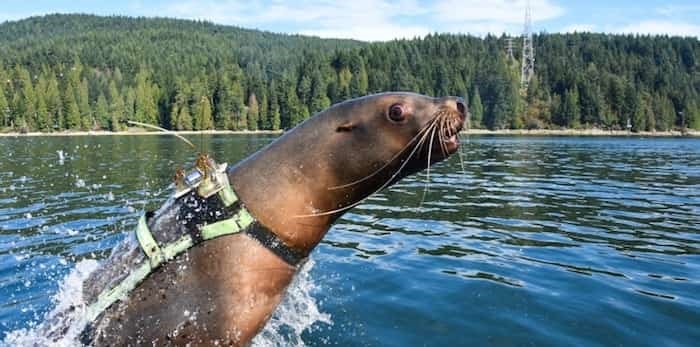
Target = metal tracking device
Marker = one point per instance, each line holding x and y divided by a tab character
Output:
206	178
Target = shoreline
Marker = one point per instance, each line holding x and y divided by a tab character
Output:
509	132
138	132
582	132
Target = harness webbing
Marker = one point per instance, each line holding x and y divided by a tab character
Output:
158	255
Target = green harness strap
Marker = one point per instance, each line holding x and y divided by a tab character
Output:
158	255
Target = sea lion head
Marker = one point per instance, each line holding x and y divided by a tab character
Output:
303	181
385	137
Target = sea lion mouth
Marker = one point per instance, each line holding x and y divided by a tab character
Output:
448	125
451	144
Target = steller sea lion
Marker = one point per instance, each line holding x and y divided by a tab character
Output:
222	291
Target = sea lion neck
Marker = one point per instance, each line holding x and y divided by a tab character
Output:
289	178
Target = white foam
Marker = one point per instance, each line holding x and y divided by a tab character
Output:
297	313
70	294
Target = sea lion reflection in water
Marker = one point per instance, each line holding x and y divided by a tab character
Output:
296	187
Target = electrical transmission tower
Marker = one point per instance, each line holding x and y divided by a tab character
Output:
528	64
509	48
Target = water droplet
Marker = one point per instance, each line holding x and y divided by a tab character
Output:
61	157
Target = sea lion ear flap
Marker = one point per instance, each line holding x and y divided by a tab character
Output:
345	127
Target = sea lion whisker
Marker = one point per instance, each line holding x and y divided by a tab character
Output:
391	160
387	183
462	156
422	143
461	162
427	179
442	138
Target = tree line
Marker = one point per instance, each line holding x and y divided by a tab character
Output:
81	72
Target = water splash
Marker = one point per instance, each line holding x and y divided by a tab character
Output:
297	313
70	295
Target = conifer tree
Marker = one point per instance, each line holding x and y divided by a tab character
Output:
145	107
629	106
54	104
129	103
274	121
117	109
203	118
649	117
344	78
174	114
304	90
83	99
476	110
184	120
70	110
253	112
514	99
319	94
360	81
25	99
290	106
264	109
5	111
639	119
43	122
570	113
102	112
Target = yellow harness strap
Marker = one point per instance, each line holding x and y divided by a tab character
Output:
148	243
157	255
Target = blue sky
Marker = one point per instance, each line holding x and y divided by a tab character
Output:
376	20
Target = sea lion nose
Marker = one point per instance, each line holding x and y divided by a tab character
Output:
461	107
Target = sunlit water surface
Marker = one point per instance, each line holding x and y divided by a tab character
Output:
532	241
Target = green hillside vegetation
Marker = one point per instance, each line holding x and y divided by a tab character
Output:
82	72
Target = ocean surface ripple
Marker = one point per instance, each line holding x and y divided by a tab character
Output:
524	241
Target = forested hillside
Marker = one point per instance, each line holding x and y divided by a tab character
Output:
87	72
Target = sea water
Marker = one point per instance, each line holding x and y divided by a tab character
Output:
525	241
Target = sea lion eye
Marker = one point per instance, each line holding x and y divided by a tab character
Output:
396	113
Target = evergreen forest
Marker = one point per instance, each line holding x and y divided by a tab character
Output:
84	72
